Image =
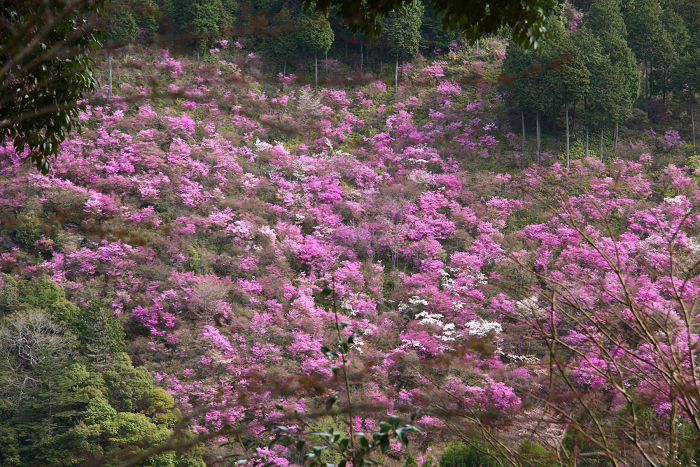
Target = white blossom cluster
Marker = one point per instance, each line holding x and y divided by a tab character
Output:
323	230
522	359
448	332
528	308
430	318
693	245
261	146
269	232
358	344
481	328
448	329
406	343
446	279
307	102
346	305
300	173
412	302
422	177
676	200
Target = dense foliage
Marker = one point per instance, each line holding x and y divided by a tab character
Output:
69	392
45	48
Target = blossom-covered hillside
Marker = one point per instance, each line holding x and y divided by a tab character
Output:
230	222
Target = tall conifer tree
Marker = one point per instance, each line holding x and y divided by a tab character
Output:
616	81
401	35
570	77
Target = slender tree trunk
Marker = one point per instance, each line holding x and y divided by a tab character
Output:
692	121
284	70
586	140
539	135
316	60
646	84
477	46
396	78
362	57
326	65
522	113
601	143
617	133
567	135
109	65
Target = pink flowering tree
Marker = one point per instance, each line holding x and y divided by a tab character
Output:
610	295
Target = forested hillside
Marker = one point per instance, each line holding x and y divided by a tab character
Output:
278	243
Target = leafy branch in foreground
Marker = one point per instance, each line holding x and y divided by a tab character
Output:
45	48
474	19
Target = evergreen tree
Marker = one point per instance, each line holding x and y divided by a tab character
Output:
676	29
645	32
121	26
526	85
401	34
121	30
49	45
410	461
146	14
459	454
603	105
433	35
315	36
663	60
689	11
56	408
589	47
570	75
667	53
685	82
202	21
616	81
280	41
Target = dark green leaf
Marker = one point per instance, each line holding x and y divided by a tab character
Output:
331	400
364	443
394	421
401	434
384	444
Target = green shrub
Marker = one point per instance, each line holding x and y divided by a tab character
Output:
459	454
534	454
28	231
411	461
9	294
40	293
